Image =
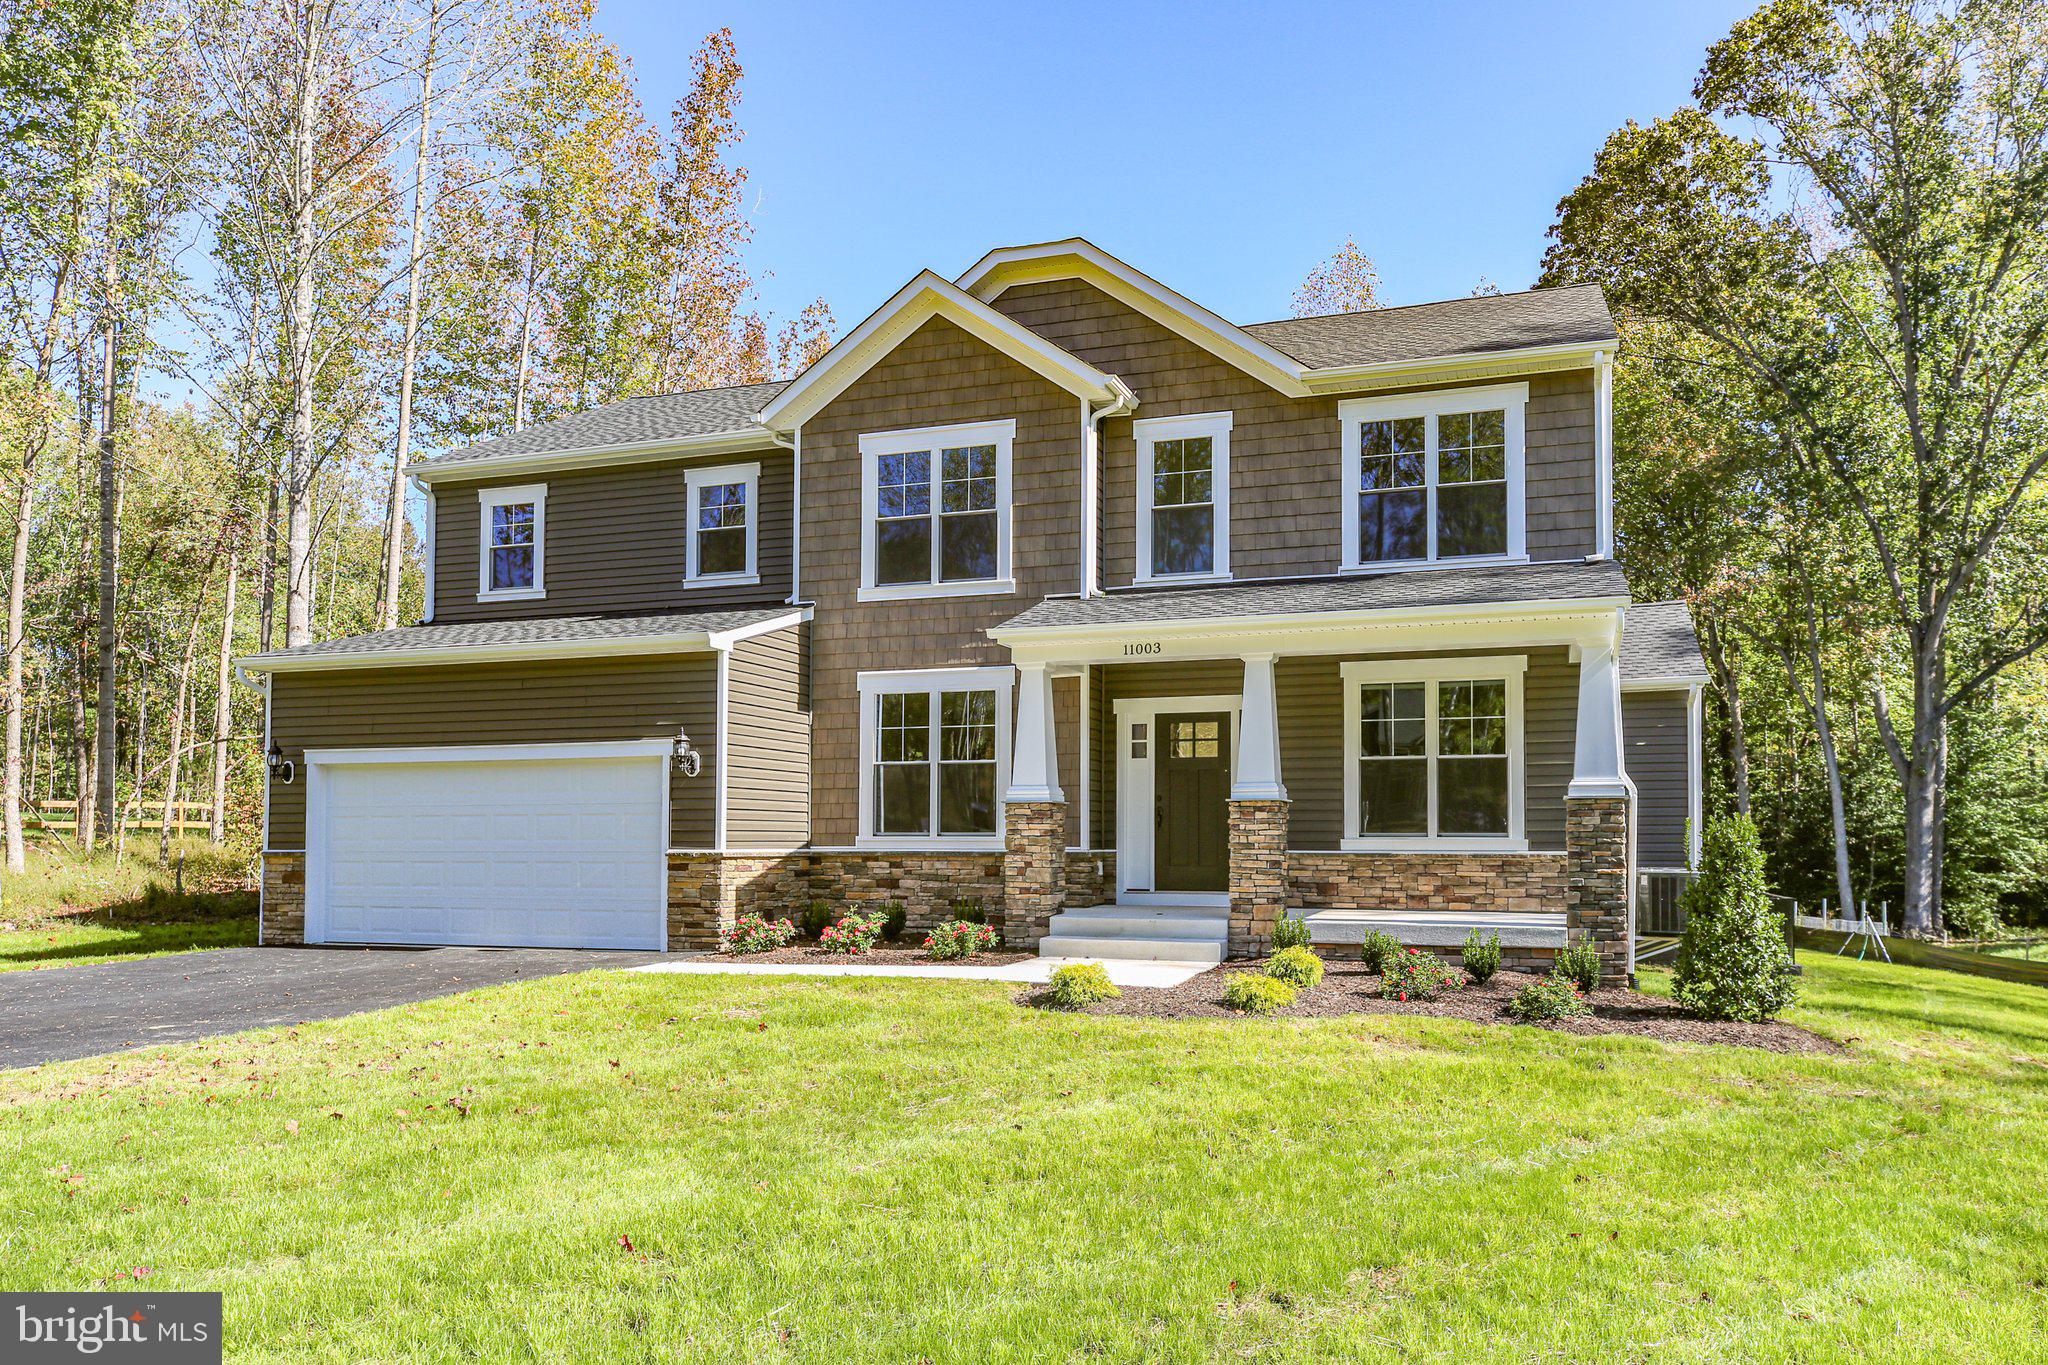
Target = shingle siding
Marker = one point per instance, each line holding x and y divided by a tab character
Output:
1653	728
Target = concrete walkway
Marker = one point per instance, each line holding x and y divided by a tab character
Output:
1039	969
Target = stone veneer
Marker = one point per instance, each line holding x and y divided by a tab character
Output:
1091	877
1258	874
1427	881
1597	894
284	899
1034	869
926	885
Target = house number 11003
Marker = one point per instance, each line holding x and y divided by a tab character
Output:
1150	647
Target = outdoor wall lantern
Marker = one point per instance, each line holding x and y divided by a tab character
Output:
281	768
683	757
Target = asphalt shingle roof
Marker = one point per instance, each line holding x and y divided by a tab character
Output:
540	631
661	417
1496	322
1657	641
1564	580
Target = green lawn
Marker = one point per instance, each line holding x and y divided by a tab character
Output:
65	910
887	1170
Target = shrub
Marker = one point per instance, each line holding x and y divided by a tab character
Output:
1082	983
752	934
1297	967
1731	961
959	939
969	910
1378	949
1579	963
1253	993
1550	997
1414	974
1289	932
816	916
1482	956
853	935
894	918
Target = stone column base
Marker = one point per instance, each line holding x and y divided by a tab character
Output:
700	902
1034	869
1258	874
284	899
1596	877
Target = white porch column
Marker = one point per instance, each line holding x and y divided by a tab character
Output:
1596	759
1034	762
1258	740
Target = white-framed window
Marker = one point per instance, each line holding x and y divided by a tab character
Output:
1183	497
1433	753
513	542
723	526
934	757
1434	478
935	511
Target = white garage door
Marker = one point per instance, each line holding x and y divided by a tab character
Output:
557	851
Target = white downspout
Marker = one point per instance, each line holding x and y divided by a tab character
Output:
794	444
1603	452
432	548
1091	483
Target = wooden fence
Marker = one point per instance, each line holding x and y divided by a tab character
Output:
188	817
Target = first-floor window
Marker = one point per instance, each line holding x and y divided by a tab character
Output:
1434	755
934	743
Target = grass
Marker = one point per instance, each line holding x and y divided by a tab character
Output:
646	1167
66	910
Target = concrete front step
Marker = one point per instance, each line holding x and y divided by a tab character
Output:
1137	933
1133	949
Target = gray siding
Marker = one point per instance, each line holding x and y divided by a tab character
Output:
1653	733
768	720
512	703
614	542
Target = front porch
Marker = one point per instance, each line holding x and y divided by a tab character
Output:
1243	770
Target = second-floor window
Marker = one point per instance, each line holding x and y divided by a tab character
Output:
1434	477
723	520
936	511
514	533
1183	496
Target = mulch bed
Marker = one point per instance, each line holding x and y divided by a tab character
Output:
815	956
1349	988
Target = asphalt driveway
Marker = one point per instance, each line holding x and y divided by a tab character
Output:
54	1014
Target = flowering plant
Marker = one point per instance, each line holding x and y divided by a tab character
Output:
958	939
1417	975
751	933
854	934
1555	996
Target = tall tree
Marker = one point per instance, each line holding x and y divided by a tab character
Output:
1347	282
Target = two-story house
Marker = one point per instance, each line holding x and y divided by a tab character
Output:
1046	588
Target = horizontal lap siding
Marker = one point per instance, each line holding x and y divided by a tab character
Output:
499	704
1653	728
614	542
939	375
1286	481
768	723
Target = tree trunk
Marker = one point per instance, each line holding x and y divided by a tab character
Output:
175	762
1918	761
525	358
394	527
85	772
1813	690
223	705
266	571
1736	735
109	559
302	253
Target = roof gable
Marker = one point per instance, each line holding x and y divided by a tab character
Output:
916	303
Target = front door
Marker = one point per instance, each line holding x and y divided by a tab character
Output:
1191	789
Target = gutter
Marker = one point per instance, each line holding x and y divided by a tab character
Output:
1122	404
736	442
1221	627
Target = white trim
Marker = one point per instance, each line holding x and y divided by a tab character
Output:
1456	366
547	751
796	515
1076	258
1084	745
927	296
718	748
1217	427
726	639
739	442
1134	790
1677	682
433	548
482	654
695	480
1512	399
503	496
1695	761
1603	453
1508	667
999	678
875	444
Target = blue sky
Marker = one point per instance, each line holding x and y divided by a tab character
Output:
1225	148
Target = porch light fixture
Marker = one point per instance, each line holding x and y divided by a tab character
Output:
683	756
281	768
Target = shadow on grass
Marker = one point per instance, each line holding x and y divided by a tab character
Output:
156	922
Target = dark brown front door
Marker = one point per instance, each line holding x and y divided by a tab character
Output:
1191	828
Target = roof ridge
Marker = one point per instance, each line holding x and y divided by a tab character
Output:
1426	303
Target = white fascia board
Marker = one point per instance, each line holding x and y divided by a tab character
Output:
631	452
1675	682
726	639
1077	258
683	643
925	297
544	751
1431	369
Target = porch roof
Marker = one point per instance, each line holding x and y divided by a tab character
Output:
1574	581
1659	646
